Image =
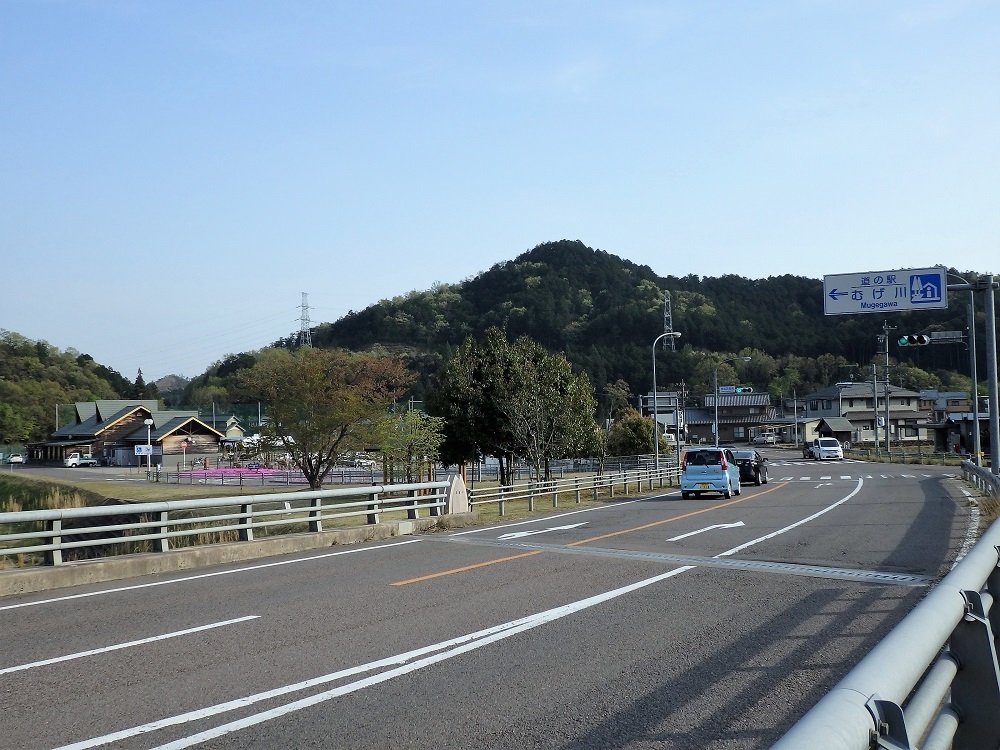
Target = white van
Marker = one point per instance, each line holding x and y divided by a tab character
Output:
826	448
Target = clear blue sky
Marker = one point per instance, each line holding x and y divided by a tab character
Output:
175	174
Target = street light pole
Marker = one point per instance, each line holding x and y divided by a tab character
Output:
656	429
715	383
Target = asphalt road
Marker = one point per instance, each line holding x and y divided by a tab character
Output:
657	623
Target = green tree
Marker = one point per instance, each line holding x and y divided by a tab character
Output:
631	434
322	403
410	441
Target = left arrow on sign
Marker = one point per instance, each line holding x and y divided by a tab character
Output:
519	534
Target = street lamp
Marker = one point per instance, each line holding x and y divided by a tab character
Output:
715	383
656	431
149	446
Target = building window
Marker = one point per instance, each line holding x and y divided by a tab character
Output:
827	405
911	432
813	405
739	433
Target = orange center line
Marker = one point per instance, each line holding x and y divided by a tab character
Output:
467	567
583	541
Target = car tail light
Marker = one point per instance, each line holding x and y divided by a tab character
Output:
725	466
684	462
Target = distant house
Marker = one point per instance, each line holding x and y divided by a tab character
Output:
953	420
741	415
110	430
864	408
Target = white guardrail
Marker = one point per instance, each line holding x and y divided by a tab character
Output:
52	532
593	485
933	683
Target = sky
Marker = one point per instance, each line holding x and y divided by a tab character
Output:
174	175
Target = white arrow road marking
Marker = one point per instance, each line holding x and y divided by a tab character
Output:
707	528
519	534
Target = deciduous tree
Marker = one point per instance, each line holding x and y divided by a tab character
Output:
322	403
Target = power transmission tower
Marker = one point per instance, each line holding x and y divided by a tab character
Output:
305	333
668	322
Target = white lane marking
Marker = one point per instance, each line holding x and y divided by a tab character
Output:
558	515
206	575
827	509
786	479
519	534
844	476
707	528
431	655
972	531
129	644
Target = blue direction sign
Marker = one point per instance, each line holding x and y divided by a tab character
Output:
886	291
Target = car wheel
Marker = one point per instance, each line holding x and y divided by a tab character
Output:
728	493
765	477
756	479
685	494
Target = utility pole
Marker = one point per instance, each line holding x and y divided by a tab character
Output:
886	328
875	406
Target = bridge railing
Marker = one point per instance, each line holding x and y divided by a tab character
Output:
932	683
191	522
573	489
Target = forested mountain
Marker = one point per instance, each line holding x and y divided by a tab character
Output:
35	377
601	311
604	312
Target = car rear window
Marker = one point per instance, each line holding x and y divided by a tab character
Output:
742	454
829	443
704	457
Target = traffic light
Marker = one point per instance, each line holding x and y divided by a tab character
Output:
744	389
914	339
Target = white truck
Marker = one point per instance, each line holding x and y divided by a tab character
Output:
77	459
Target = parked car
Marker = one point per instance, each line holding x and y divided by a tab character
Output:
753	466
15	458
766	438
709	470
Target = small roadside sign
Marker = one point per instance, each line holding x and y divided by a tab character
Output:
886	291
726	389
143	450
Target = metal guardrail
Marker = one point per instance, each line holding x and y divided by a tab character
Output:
932	683
987	482
52	532
595	485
